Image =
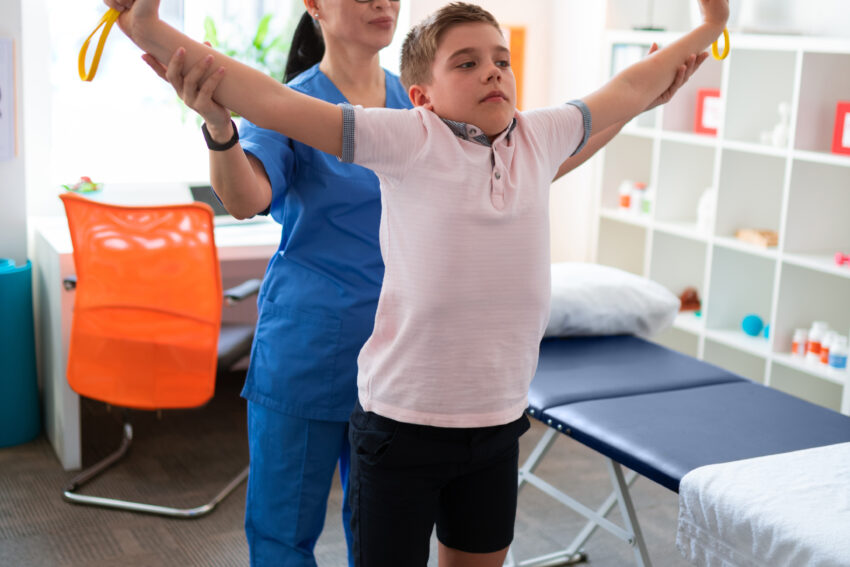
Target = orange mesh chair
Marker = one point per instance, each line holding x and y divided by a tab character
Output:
147	319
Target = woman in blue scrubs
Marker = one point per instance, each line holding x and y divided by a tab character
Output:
320	291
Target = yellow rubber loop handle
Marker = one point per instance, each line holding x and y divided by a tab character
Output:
715	52
106	21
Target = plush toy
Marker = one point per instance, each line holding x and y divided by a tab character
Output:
690	300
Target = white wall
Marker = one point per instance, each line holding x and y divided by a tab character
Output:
577	48
13	212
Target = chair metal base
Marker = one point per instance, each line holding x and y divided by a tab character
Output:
88	474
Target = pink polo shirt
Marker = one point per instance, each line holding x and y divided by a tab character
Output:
465	240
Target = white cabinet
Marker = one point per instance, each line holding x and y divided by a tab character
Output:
765	176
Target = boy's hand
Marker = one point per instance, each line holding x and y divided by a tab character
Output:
715	12
682	75
134	14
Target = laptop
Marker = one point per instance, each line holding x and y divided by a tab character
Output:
205	194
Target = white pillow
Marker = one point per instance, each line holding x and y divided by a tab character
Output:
589	299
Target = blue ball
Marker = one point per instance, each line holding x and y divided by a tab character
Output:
752	325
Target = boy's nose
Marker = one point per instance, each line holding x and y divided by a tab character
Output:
493	73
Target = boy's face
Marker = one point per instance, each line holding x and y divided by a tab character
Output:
471	79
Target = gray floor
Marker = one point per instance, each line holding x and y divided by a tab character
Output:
184	457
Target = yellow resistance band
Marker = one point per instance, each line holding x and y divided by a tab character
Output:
106	21
715	52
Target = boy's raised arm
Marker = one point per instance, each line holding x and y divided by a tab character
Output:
246	91
633	89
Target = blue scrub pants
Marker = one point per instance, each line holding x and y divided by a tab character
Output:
292	466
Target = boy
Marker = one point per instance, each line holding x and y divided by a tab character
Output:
464	235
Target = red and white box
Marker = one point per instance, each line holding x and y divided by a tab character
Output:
708	112
841	134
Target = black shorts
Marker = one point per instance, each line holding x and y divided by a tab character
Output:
405	478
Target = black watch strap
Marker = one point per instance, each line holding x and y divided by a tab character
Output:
216	146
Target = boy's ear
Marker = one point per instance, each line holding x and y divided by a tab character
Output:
419	97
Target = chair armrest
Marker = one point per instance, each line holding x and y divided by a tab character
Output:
242	291
70	283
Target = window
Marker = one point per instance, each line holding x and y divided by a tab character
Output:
128	125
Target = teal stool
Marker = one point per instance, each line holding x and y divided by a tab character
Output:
20	415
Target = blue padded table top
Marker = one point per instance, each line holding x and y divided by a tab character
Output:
665	435
591	368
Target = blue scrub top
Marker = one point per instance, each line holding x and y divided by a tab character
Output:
320	292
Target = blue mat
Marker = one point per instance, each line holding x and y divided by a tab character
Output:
20	415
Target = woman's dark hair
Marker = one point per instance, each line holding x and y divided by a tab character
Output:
306	50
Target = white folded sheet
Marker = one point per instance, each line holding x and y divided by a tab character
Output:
790	509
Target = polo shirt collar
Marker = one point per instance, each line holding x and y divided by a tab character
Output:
473	133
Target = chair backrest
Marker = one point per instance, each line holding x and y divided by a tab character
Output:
148	303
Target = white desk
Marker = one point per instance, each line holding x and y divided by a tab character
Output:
244	251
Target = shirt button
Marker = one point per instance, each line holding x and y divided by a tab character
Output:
473	131
498	175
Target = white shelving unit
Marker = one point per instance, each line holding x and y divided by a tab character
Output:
798	189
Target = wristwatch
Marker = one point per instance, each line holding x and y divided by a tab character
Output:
220	147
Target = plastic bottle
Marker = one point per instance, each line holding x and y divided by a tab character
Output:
638	192
838	353
798	343
626	194
648	200
816	336
825	345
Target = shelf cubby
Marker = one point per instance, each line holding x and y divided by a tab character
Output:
744	363
628	157
677	263
805	385
679	340
684	172
740	285
759	81
817	191
825	81
750	192
807	295
679	115
621	245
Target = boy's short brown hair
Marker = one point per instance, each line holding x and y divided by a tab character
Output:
420	45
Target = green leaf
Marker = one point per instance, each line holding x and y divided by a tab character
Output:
210	33
262	31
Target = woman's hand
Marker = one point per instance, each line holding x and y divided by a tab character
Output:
135	14
196	89
682	75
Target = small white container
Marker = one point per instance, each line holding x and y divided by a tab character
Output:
798	343
825	345
816	335
625	191
638	192
838	353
